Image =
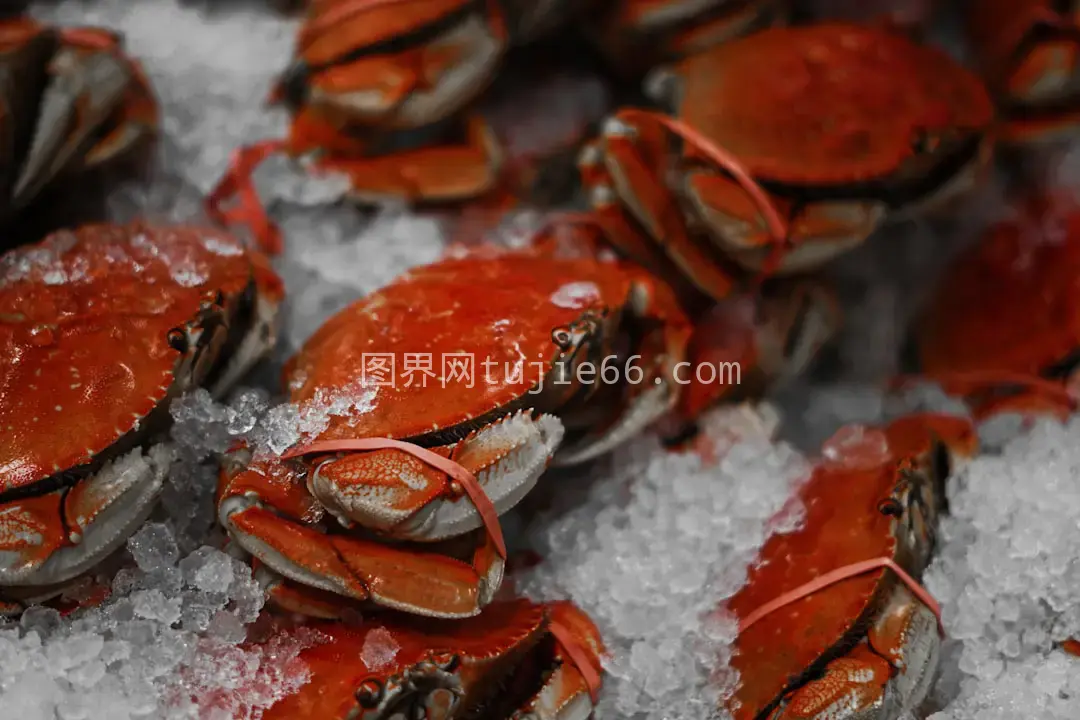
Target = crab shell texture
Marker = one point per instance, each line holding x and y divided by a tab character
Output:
833	145
394	65
1029	54
503	663
636	35
864	647
72	101
524	324
101	328
1011	303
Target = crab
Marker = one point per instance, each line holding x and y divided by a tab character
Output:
73	101
518	359
519	659
101	327
379	93
818	151
1028	51
1003	329
637	35
832	621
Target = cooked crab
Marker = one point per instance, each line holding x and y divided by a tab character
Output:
518	659
101	328
833	622
818	150
464	379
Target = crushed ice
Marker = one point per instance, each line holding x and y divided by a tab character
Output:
653	544
647	546
1008	577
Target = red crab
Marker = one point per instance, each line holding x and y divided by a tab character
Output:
73	101
378	89
1003	329
1028	51
518	659
819	150
427	459
101	328
832	621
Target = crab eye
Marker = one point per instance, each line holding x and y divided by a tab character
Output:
369	694
178	340
561	337
891	507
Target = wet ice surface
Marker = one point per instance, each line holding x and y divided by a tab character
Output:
647	543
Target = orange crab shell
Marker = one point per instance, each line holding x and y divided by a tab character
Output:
1011	303
843	525
818	112
340	675
500	315
86	318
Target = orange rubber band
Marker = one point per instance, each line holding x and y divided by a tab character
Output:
732	165
579	656
466	479
835	576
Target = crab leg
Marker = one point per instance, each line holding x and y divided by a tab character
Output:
439	173
419	85
136	118
79	99
570	691
423	583
622	169
52	538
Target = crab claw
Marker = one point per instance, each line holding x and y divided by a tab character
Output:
399	495
395	494
509	661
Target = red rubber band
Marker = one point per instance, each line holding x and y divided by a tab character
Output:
466	479
579	656
249	211
732	165
835	576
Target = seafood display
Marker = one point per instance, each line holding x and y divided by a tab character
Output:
534	473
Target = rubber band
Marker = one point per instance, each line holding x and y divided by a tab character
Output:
579	656
835	576
777	227
466	479
237	182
